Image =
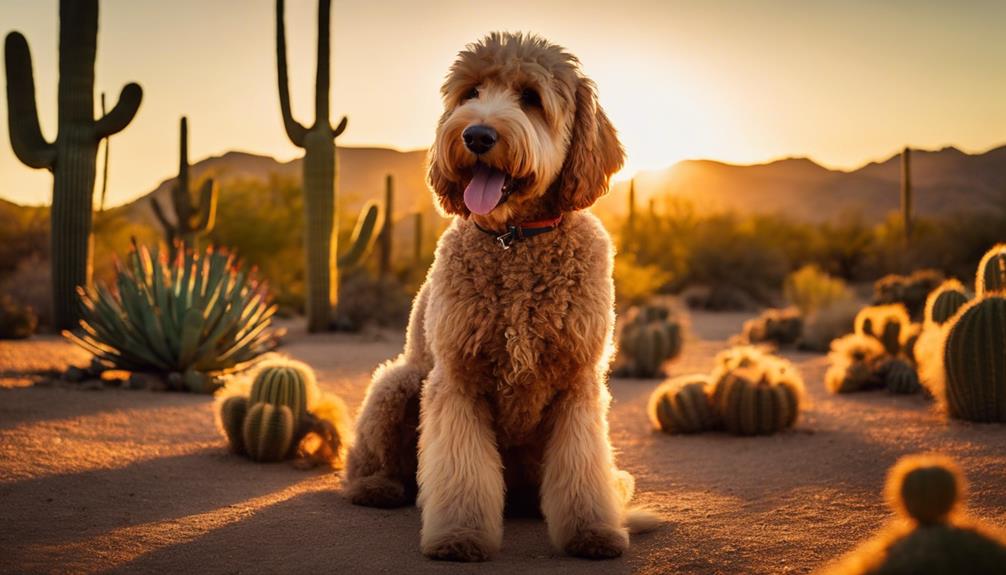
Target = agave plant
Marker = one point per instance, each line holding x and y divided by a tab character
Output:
196	314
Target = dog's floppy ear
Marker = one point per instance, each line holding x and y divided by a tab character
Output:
450	194
594	153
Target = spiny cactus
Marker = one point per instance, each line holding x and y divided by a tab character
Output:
682	405
72	157
232	418
320	171
199	312
900	377
268	432
779	326
992	271
934	537
286	382
974	359
888	323
387	230
910	290
649	337
944	301
759	400
191	221
851	363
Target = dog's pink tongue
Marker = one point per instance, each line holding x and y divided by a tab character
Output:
485	190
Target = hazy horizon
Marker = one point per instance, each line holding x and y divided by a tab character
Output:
842	83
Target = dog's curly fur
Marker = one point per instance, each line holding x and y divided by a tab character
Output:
505	364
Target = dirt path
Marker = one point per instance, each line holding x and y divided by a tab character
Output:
135	481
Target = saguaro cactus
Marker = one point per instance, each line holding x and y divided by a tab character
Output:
191	220
320	168
386	230
906	192
72	157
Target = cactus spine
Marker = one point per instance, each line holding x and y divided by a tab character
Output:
682	405
906	192
191	220
992	271
320	167
386	230
268	432
72	157
975	361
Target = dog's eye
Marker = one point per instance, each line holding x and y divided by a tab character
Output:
472	94
530	98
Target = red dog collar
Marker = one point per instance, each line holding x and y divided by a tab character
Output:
519	232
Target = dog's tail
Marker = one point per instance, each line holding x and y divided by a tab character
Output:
642	520
637	519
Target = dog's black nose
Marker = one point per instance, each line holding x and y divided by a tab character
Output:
479	139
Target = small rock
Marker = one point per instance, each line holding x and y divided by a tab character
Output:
75	374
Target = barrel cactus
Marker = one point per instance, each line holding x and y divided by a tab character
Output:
944	301
72	157
934	536
199	313
900	377
648	337
851	363
761	399
318	422
682	405
888	323
778	326
268	432
992	271
974	359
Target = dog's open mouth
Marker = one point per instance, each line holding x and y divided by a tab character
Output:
488	188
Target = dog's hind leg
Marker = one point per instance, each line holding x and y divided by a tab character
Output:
381	466
582	497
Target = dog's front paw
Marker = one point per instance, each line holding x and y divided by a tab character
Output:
466	545
598	542
376	491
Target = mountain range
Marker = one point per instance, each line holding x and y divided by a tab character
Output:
944	181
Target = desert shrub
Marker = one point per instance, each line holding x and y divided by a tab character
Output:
24	234
30	285
16	321
933	536
367	300
910	291
827	324
636	283
778	326
198	314
649	336
810	289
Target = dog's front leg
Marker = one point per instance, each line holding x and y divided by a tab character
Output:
461	488
578	492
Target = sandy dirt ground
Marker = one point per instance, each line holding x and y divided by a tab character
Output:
127	481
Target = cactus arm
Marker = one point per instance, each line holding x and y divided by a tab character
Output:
294	129
122	113
161	217
207	207
364	236
338	130
26	136
321	86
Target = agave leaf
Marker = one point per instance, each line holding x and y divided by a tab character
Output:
192	330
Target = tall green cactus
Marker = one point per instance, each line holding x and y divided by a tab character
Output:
72	157
906	192
318	141
387	230
191	221
975	361
992	271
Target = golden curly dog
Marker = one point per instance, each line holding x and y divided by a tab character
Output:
502	383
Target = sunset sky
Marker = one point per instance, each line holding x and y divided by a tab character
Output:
842	82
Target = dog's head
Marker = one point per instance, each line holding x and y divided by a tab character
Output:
522	134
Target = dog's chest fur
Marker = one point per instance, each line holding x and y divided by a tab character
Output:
521	340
